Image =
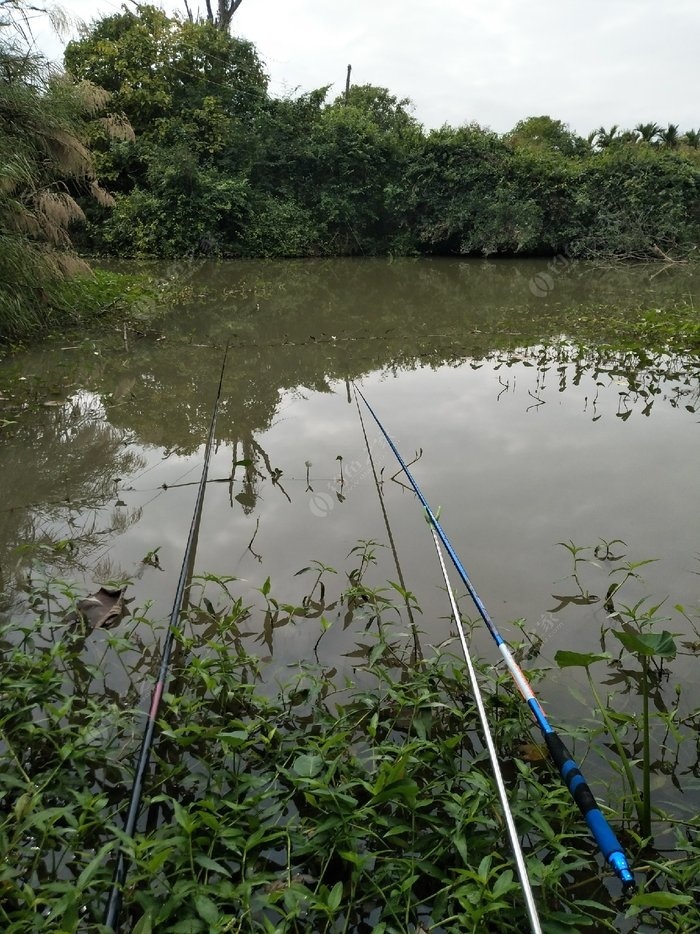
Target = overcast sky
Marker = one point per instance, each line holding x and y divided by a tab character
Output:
586	62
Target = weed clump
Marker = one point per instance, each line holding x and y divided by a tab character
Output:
312	806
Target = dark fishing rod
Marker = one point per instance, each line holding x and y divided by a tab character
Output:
111	918
570	773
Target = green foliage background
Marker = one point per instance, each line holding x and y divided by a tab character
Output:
174	119
219	165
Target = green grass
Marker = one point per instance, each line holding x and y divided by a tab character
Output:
82	302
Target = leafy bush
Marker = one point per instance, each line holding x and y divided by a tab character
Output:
292	810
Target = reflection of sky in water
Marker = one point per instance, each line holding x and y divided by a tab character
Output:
511	483
512	477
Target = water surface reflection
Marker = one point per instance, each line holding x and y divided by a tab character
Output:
526	438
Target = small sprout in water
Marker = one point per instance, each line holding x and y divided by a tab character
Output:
339	458
152	559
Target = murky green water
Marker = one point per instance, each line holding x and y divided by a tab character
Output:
523	443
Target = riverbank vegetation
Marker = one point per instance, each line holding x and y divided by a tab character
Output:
219	162
162	139
320	805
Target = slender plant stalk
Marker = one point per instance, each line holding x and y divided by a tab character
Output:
646	799
624	758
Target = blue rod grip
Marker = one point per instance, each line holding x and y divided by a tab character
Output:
602	832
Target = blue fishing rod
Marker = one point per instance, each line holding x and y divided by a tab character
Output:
600	829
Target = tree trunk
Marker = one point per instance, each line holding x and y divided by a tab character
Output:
224	13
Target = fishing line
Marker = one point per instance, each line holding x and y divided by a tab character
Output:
493	755
111	918
569	771
417	652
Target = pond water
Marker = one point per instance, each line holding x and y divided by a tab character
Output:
532	425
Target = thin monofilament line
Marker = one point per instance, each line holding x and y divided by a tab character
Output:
111	919
530	902
417	652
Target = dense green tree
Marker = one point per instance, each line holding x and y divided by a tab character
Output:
605	138
464	197
281	177
388	113
634	200
545	134
552	184
218	163
194	95
180	207
157	66
328	177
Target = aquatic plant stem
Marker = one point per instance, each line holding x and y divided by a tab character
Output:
530	902
113	908
624	758
18	762
646	778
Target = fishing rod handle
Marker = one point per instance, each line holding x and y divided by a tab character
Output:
609	845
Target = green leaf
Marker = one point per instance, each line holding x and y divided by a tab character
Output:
648	644
335	896
159	859
144	925
265	589
484	868
206	909
460	843
405	789
503	884
660	900
307	766
23	806
234	739
560	921
373	724
93	866
207	863
188	926
184	819
579	659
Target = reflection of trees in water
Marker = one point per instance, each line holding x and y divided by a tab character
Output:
637	381
59	470
307	324
297	298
